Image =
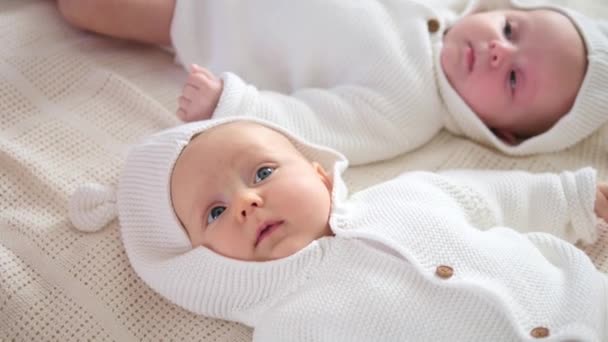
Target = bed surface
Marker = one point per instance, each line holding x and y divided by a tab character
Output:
70	105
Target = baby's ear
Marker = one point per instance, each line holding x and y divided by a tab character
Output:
324	175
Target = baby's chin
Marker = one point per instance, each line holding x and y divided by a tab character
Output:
288	247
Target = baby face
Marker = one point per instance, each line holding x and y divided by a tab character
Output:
244	191
519	71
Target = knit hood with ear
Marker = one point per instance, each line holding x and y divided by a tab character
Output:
590	109
158	247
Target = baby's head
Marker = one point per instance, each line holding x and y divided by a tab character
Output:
519	71
214	215
246	192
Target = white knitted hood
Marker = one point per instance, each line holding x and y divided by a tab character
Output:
158	247
590	109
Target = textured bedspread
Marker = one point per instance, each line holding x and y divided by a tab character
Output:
70	105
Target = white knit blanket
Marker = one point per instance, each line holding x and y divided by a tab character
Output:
70	105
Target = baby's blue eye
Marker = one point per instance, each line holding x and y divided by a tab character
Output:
508	30
512	79
215	213
263	173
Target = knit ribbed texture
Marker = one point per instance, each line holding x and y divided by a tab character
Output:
71	104
504	284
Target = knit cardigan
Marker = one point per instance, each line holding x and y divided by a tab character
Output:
361	76
383	276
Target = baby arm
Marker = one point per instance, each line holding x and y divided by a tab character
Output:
564	204
364	123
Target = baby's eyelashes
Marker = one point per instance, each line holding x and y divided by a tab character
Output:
214	213
508	30
263	173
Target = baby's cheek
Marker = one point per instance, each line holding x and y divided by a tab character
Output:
484	101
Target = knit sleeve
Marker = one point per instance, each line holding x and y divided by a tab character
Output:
561	204
363	123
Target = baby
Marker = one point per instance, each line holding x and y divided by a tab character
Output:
241	220
374	79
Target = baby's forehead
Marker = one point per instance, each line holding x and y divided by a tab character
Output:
239	131
235	140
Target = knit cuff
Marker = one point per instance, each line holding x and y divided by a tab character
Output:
579	188
236	97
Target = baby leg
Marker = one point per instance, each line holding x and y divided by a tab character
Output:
200	95
147	21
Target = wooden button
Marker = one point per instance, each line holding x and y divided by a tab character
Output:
444	272
433	25
539	332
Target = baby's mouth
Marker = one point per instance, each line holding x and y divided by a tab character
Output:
470	57
266	229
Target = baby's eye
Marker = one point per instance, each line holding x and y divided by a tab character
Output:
508	30
215	213
512	79
263	173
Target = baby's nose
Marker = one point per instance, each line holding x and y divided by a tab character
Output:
499	53
247	201
248	208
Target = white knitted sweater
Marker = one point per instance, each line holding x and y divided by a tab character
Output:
363	77
376	280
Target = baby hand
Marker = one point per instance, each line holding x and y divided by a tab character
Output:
200	95
601	201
